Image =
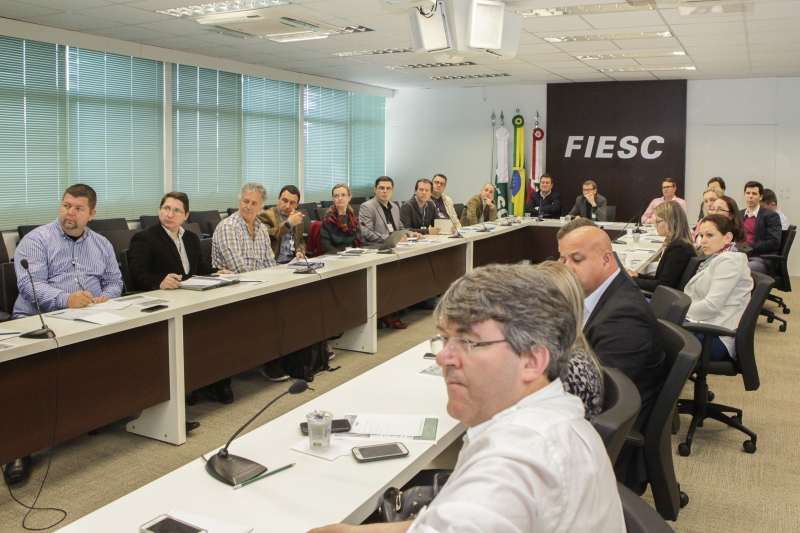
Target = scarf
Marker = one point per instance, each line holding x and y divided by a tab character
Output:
730	247
350	229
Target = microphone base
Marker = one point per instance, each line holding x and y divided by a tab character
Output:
456	236
43	333
386	251
306	271
618	242
482	230
233	469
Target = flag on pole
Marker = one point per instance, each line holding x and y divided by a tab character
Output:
501	173
536	168
518	172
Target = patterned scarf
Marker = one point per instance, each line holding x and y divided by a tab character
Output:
351	228
730	247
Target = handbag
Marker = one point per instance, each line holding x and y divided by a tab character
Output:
402	505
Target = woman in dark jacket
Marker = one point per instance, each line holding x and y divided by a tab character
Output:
671	223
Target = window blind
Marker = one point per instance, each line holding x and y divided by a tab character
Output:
367	142
326	134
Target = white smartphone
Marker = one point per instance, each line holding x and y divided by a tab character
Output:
378	452
167	524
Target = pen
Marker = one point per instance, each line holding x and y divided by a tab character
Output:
240	485
80	284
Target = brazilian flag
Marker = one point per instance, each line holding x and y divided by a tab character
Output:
518	171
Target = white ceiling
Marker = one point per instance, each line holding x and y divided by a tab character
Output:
762	43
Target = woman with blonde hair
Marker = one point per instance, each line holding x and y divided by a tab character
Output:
710	195
583	376
678	249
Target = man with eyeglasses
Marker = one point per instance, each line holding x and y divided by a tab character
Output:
530	460
669	188
73	267
591	205
445	209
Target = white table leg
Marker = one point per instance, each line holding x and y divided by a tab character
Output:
364	338
167	421
470	252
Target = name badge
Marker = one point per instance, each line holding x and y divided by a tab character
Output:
391	227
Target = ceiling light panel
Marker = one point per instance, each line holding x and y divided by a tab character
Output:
607	37
470	76
646	69
582	10
432	65
713	8
221	7
631	56
374	52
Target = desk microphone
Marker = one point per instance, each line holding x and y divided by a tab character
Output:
484	230
639	219
616	240
232	469
44	332
457	234
309	269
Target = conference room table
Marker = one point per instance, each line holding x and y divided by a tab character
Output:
92	375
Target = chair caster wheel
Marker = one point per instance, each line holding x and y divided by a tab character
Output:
749	446
737	419
711	396
782	327
684	449
684	499
786	310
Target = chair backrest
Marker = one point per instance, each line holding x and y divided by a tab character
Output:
783	281
355	208
212	226
269	206
148	220
459	208
307	220
203	217
691	270
3	251
621	405
357	200
194	227
611	213
108	224
8	287
745	333
314	242
681	352
639	516
232	210
326	203
120	239
321	211
205	249
24	230
670	304
309	207
125	270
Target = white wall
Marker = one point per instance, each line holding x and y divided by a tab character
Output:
741	130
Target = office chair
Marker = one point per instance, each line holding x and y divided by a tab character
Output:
108	224
701	407
307	220
780	274
691	270
321	212
670	304
232	210
459	208
621	404
326	203
194	227
24	230
3	251
355	208
119	239
148	220
205	250
8	291
202	218
309	207
125	270
357	200
611	213
639	516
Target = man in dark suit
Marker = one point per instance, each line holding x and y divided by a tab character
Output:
618	324
590	205
545	202
163	255
762	228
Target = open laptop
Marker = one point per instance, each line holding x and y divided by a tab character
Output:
392	241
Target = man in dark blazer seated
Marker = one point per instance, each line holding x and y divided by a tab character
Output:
164	254
590	203
618	324
762	228
545	202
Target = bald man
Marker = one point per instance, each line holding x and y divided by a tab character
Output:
617	320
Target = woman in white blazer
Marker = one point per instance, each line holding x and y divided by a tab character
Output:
720	290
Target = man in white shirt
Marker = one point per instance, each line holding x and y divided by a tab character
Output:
444	205
669	188
530	461
770	201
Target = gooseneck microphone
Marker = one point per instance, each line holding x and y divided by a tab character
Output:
232	469
616	239
44	332
639	217
309	269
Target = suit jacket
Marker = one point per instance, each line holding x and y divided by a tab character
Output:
152	255
583	208
373	221
767	233
277	228
623	331
412	218
550	208
670	267
474	209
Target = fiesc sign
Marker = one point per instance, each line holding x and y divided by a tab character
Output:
606	144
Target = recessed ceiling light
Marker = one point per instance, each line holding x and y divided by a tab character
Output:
374	52
645	69
221	7
631	56
714	9
608	37
433	65
581	10
470	76
313	32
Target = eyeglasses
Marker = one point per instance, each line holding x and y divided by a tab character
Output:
713	209
457	344
167	210
667	187
384	189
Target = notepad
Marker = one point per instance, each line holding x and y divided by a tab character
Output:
79	315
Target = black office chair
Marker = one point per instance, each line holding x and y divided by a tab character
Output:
212	226
307	220
621	404
326	203
108	224
321	212
681	352
309	207
232	210
202	218
24	230
780	273
3	251
125	270
357	200
701	407
148	220
8	291
639	516
194	227
269	206
459	208
205	249
611	213
691	270
670	304
119	239
355	208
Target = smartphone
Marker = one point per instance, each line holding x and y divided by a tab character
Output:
167	524
429	355
378	452
154	308
341	425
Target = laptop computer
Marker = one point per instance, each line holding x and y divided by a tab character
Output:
392	241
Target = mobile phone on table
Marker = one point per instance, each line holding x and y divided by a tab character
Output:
167	524
154	308
429	355
339	425
378	452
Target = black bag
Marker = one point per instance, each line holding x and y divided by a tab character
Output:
306	362
401	505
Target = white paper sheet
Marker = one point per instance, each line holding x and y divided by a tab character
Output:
114	305
102	319
143	301
200	282
401	425
337	448
9	332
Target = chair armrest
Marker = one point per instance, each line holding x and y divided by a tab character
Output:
773	257
635	438
4	317
708	329
647	294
